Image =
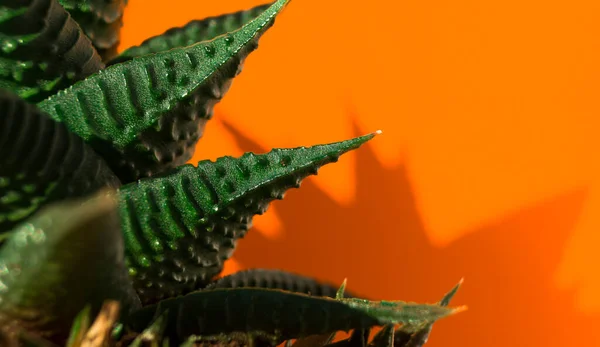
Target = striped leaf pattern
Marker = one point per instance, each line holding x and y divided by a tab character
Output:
101	20
123	110
42	162
180	227
42	49
282	314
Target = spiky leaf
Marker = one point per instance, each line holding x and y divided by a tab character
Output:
283	314
275	279
101	21
420	337
41	162
410	335
193	32
126	111
42	49
180	227
68	255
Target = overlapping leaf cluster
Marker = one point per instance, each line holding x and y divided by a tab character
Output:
101	217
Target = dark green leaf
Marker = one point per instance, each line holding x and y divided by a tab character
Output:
283	314
42	50
193	32
275	279
385	338
419	338
181	226
41	162
68	255
126	111
410	335
101	21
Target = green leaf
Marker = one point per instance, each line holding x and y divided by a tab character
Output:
410	335
274	279
283	314
101	21
42	162
126	112
181	226
419	338
153	334
193	32
339	294
80	327
42	50
66	256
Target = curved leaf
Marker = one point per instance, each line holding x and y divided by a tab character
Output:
275	279
126	111
101	20
283	314
193	32
181	226
41	162
42	50
65	257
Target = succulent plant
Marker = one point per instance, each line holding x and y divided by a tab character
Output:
100	216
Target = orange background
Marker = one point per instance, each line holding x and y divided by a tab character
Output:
487	167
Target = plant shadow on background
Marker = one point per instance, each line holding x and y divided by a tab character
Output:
379	242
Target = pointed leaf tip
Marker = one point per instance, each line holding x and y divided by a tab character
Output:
459	309
129	98
446	299
340	292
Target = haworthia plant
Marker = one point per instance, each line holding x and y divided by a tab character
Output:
180	227
262	310
42	49
276	279
124	111
101	21
107	236
42	162
194	31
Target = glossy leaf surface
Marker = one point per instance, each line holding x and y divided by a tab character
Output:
126	111
42	49
180	227
101	20
42	162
